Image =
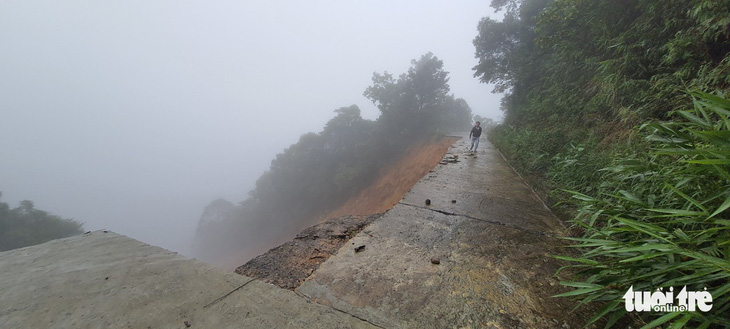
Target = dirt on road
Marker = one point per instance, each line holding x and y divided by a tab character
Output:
290	263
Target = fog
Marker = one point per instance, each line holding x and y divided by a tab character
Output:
134	115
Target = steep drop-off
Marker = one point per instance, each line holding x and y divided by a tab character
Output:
395	181
290	263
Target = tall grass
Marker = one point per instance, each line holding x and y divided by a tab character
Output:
660	219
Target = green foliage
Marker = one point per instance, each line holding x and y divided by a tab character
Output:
26	226
579	167
532	151
662	220
587	62
580	77
523	147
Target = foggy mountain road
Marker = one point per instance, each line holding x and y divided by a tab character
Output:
464	263
480	261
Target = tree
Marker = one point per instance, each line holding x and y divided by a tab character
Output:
418	102
428	83
593	62
485	122
507	54
456	115
26	226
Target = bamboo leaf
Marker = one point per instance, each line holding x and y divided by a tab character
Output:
661	320
677	212
721	291
681	322
709	259
578	260
641	257
709	161
577	292
596	241
581	284
646	247
643	227
722	207
603	311
631	197
693	118
686	197
582	197
722	137
722	222
718	104
679	233
615	317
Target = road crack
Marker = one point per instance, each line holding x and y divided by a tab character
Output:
228	294
493	222
337	309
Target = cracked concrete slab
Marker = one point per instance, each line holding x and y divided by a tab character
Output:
484	187
106	280
493	247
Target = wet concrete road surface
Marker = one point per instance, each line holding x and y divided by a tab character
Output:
479	262
475	257
106	280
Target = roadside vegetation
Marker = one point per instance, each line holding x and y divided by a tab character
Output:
618	109
25	225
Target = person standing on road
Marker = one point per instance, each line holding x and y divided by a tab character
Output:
474	135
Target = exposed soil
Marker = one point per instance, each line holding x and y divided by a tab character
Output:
396	180
288	265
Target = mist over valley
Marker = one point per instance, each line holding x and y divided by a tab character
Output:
133	117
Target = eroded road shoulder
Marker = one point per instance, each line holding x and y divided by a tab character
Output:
476	256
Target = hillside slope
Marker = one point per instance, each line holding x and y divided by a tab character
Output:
396	180
290	263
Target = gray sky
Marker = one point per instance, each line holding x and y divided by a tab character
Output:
134	115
